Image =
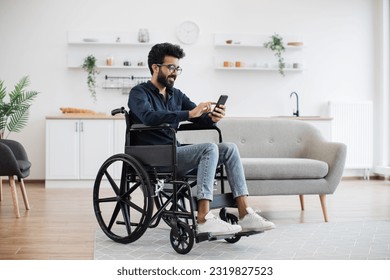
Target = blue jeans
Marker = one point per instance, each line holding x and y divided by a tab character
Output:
205	158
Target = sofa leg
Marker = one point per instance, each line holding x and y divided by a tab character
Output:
302	201
323	206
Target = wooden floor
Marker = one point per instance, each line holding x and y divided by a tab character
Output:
61	223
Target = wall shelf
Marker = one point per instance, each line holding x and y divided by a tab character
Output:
225	45
112	44
114	67
248	51
121	46
256	69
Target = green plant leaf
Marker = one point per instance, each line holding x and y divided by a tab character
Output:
89	65
18	120
14	114
3	92
277	46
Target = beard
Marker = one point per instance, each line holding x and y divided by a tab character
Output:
166	81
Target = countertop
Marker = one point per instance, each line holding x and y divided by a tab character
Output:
99	116
308	118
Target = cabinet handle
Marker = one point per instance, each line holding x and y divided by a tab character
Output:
81	127
77	127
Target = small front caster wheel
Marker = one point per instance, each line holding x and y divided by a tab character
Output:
232	219
182	238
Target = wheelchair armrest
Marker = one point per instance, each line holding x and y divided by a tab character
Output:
197	126
147	127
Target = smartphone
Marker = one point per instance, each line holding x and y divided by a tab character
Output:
221	101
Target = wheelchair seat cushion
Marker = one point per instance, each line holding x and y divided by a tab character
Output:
284	168
153	155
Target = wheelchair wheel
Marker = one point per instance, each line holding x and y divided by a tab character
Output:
122	198
232	219
182	238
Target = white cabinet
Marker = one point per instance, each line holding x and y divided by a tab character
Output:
62	149
96	145
119	143
247	52
120	134
76	148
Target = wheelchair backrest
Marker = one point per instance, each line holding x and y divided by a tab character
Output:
148	155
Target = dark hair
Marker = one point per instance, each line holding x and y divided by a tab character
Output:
159	51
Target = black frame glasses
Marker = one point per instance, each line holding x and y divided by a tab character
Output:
172	68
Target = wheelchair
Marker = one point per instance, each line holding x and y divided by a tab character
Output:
135	190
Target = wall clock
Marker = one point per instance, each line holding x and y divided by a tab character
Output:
187	32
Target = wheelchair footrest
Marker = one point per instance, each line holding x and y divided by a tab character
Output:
203	237
208	236
248	233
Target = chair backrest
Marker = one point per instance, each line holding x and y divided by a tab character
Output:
158	156
13	159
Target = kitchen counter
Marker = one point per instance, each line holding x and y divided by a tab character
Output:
324	124
99	116
312	118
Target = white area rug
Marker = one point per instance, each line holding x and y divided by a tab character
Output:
365	240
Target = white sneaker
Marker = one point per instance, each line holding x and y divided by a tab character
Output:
216	226
254	222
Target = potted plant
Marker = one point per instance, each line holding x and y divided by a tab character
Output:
276	44
90	66
14	113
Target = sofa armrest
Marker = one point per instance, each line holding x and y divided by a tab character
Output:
334	154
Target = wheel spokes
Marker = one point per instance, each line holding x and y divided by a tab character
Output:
123	204
114	216
112	182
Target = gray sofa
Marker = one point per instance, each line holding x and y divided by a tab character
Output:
282	156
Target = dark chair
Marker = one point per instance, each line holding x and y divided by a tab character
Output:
14	162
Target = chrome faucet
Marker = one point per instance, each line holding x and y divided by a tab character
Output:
296	95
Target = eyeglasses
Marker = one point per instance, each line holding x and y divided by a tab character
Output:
172	68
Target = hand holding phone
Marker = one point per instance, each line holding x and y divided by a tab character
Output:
221	101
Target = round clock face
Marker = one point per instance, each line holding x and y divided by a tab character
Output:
187	32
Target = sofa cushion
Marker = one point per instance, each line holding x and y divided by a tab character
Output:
283	168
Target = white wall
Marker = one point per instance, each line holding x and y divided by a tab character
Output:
340	39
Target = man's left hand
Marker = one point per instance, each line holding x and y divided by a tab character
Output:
218	113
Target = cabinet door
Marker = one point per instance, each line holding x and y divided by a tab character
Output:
96	145
62	149
119	143
119	136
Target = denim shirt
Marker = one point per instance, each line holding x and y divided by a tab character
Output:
147	106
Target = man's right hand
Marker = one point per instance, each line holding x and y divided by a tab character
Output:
204	107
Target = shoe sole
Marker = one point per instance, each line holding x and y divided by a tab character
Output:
257	229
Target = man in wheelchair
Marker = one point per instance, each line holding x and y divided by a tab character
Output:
157	102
